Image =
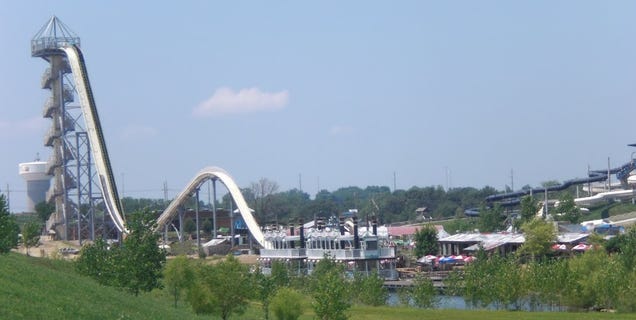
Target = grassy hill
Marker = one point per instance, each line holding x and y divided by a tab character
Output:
37	288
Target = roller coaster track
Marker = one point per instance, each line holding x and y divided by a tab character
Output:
104	169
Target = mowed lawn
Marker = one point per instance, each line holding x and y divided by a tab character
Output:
36	288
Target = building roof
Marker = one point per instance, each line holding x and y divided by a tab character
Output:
492	240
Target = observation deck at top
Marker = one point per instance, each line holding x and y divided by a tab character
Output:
53	36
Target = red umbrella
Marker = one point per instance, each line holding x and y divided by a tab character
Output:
581	247
557	246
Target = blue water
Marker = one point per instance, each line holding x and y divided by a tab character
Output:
455	302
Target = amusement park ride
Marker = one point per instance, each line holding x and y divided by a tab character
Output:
85	194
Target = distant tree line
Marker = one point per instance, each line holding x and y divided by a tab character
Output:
387	206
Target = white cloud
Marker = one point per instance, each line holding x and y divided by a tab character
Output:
338	130
227	101
138	132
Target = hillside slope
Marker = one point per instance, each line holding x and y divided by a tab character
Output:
37	288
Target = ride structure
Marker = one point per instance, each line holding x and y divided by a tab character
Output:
75	190
84	187
625	188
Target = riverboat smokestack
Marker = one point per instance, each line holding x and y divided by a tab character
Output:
301	232
356	237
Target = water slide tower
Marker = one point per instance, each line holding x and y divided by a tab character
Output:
74	189
38	182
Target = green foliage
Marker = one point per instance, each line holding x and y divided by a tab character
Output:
142	204
178	275
528	210
286	304
265	289
490	219
539	237
30	234
546	282
369	290
425	241
136	265
44	210
98	262
9	229
460	225
280	274
189	226
207	226
140	259
422	294
222	289
493	280
57	284
625	244
567	209
330	291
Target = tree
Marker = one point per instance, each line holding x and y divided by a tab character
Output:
490	219
97	261
136	265
330	291
528	209
265	289
539	236
370	289
9	229
425	241
222	289
568	210
30	234
141	259
262	190
178	276
422	294
44	210
280	274
286	304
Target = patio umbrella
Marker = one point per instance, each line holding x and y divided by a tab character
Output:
581	247
446	260
557	246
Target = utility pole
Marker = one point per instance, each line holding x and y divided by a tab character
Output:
300	182
8	199
512	181
394	182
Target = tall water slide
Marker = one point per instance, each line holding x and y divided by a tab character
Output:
105	172
204	175
95	136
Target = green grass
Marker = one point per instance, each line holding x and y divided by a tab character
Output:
37	288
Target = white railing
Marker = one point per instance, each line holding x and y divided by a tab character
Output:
283	253
349	254
338	254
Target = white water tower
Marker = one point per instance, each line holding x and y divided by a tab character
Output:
38	182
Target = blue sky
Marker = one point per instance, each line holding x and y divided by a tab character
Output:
451	93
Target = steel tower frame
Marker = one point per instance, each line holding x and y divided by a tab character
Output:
75	191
